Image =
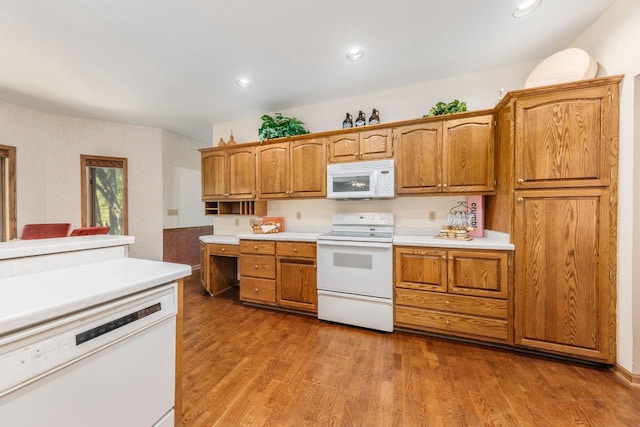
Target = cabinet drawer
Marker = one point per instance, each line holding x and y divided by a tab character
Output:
257	247
453	303
453	324
262	290
263	266
298	249
224	250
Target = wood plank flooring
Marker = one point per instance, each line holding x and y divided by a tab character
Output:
246	366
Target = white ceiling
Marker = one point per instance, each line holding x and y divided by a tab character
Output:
173	63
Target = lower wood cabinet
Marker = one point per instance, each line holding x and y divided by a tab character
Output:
258	271
296	278
453	292
279	273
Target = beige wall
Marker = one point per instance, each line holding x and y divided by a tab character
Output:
48	169
181	181
612	40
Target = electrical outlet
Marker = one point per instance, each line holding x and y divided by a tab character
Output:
298	215
237	222
172	212
432	215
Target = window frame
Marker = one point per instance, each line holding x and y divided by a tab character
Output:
86	161
8	192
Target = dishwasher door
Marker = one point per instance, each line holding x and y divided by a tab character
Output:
114	366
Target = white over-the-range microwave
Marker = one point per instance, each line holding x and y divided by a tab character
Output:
373	179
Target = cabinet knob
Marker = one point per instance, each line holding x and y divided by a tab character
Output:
255	266
444	185
295	249
223	249
520	180
446	322
255	248
520	199
257	290
447	302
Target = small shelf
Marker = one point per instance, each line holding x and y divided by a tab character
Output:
236	207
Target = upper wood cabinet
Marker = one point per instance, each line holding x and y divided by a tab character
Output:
228	173
449	156
363	145
563	138
292	169
565	295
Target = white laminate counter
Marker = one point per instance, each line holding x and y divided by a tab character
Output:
29	248
221	239
30	299
492	241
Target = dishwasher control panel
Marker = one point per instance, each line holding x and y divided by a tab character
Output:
33	353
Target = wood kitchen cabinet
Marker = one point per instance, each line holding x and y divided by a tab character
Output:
565	299
453	292
563	138
258	271
218	267
228	173
296	276
448	156
557	166
354	146
294	169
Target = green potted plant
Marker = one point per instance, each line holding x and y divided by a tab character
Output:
280	126
440	108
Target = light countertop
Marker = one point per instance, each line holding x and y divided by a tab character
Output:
25	248
431	241
34	298
222	239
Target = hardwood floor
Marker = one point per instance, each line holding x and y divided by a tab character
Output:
246	366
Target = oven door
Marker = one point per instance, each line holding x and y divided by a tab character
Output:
351	184
358	268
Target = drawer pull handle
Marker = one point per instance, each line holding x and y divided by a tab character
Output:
223	249
257	290
295	249
447	302
255	248
255	266
446	322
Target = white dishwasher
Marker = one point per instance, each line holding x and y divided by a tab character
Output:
110	365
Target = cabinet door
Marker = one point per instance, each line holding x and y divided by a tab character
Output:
344	147
272	162
418	153
308	171
242	175
421	269
565	300
483	273
563	139
468	155
296	284
204	266
214	173
375	144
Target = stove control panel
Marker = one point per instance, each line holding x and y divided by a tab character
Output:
368	218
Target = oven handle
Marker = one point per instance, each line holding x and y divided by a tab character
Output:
356	244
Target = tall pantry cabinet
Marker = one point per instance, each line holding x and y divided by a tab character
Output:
557	157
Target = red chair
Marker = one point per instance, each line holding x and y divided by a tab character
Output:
88	231
44	231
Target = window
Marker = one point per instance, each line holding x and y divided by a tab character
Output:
8	193
104	193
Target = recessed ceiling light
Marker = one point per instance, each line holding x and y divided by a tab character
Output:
355	54
526	7
243	83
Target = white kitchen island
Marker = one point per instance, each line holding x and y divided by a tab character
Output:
78	316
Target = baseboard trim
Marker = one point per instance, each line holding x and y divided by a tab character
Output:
626	376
